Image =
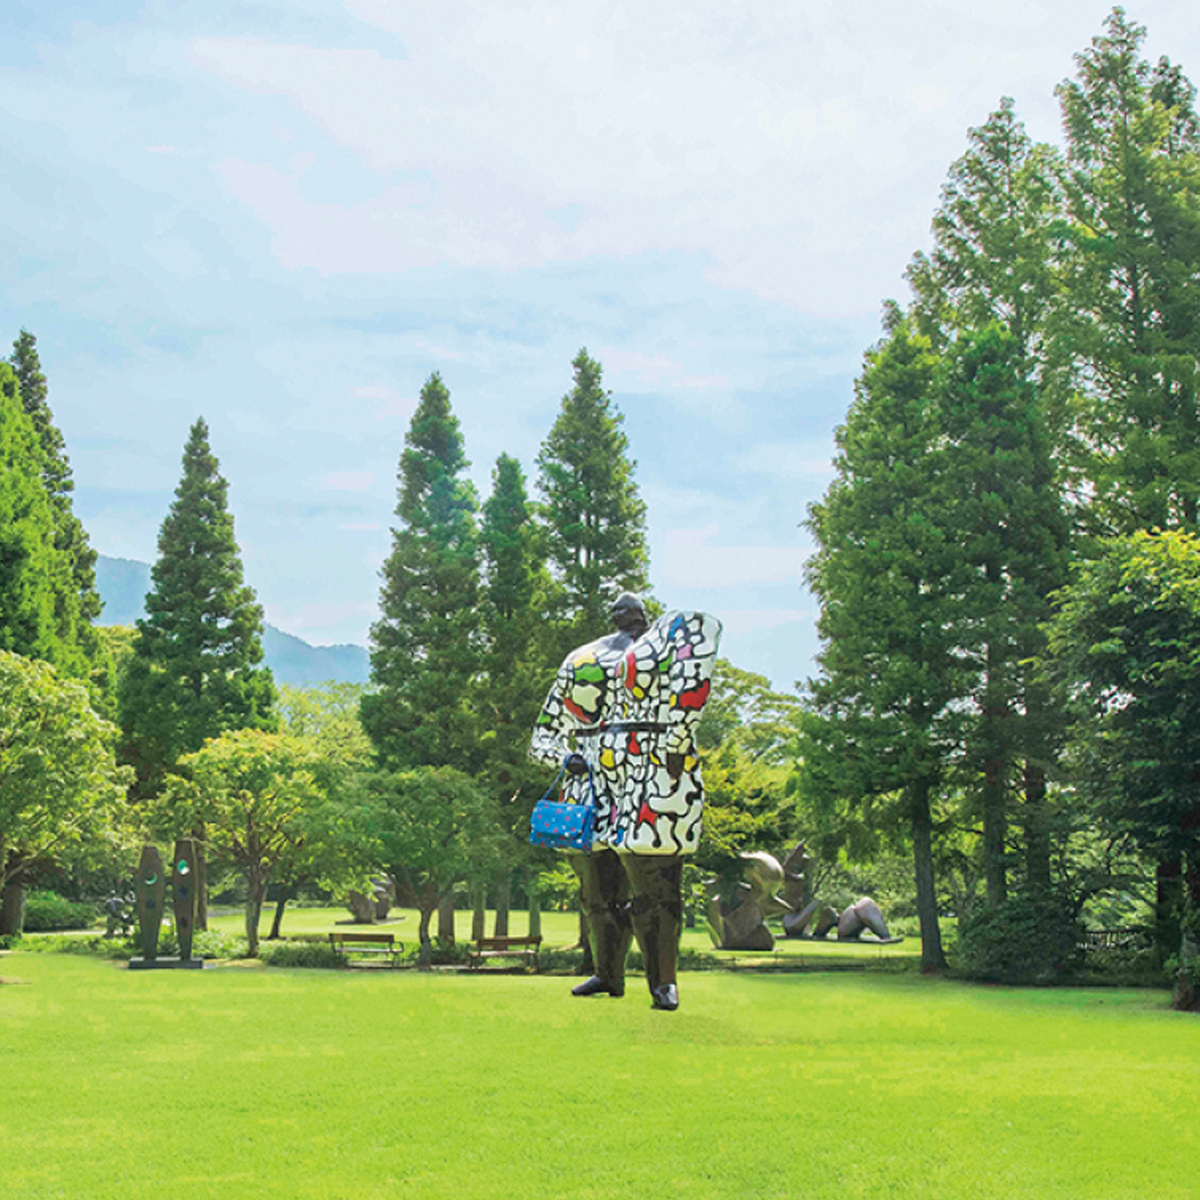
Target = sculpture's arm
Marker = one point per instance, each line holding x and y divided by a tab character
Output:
551	731
694	638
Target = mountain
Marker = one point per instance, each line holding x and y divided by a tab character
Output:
124	582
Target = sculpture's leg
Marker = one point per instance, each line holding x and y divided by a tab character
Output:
657	919
605	892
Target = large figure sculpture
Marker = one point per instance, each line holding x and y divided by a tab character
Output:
621	717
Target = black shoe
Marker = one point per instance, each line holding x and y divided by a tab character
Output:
665	997
594	986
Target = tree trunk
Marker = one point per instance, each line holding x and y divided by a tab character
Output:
255	891
478	911
995	822
535	914
12	908
1168	905
1037	830
427	903
1037	757
503	897
285	894
445	931
201	869
932	956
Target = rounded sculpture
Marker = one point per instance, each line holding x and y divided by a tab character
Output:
737	916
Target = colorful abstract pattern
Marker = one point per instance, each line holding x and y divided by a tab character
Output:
645	709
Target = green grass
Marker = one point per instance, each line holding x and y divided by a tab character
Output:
242	1082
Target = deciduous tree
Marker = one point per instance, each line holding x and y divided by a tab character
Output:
60	787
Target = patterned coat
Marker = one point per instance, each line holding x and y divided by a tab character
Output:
626	705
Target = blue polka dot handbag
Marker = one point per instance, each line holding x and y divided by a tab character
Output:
563	826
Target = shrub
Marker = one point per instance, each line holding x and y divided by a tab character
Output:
48	911
1023	940
301	954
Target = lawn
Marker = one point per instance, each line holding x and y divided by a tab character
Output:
244	1082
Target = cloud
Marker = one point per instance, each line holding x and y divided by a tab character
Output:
788	460
692	561
347	481
798	148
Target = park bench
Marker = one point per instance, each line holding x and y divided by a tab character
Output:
525	948
367	943
1112	939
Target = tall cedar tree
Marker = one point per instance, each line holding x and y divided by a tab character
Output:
517	663
425	646
38	602
987	295
194	673
594	518
1133	143
1012	534
891	577
70	537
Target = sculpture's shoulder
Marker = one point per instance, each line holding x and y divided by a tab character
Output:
688	627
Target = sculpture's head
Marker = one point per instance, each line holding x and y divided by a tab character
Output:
628	614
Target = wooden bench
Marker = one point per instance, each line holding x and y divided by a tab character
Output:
367	943
525	948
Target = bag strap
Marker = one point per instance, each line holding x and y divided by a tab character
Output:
561	772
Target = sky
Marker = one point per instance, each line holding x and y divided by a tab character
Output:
283	215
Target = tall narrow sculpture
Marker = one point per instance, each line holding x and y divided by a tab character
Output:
183	894
151	891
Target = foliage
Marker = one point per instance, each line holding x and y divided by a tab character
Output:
433	826
1026	939
302	954
39	602
60	787
80	604
258	800
516	662
194	673
1126	639
747	734
46	911
595	521
424	647
1132	327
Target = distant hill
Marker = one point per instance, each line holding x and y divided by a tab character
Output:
124	582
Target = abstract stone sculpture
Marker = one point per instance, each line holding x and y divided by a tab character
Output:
151	889
183	893
862	914
369	909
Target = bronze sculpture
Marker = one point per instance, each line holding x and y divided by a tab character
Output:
621	718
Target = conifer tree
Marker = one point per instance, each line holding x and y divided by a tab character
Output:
987	296
425	646
1133	141
70	537
518	663
35	581
195	671
594	518
891	579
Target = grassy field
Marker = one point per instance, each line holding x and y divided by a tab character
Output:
247	1082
